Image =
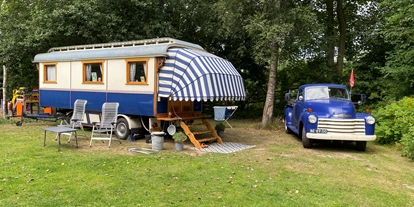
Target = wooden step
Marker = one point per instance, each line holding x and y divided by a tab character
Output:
201	132
198	142
198	124
207	139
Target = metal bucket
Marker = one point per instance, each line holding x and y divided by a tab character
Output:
157	139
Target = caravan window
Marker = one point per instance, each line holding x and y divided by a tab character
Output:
137	71
49	73
93	72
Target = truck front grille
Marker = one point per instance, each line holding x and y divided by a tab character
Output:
344	126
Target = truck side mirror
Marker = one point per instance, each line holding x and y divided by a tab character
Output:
358	99
287	97
363	98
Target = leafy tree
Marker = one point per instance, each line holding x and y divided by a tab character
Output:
16	56
347	25
368	74
399	32
272	27
4	75
33	26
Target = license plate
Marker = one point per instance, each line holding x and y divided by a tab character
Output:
319	131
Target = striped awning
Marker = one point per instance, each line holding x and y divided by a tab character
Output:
196	75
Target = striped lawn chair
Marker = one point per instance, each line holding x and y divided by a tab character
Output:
104	129
76	119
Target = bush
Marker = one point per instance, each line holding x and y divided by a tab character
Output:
179	137
395	124
220	127
407	142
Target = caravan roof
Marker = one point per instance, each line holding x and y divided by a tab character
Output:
141	48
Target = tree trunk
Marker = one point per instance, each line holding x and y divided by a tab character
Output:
342	36
4	103
4	77
271	85
330	36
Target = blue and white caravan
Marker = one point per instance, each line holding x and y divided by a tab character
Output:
152	80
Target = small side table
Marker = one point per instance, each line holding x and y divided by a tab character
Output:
59	130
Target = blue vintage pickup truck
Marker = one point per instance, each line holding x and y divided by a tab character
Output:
326	112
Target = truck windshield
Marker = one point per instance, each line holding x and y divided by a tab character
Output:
324	92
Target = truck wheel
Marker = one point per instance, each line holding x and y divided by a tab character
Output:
361	145
307	143
122	129
287	130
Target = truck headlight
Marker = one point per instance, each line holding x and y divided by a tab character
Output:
370	120
312	119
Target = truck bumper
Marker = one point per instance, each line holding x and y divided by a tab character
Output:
344	137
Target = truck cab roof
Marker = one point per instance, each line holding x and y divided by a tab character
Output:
323	84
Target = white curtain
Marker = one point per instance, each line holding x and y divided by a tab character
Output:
50	73
132	71
145	69
88	72
100	68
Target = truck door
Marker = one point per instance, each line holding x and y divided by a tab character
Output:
298	108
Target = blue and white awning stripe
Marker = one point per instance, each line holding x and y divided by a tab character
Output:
196	75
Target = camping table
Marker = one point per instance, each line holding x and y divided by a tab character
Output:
59	130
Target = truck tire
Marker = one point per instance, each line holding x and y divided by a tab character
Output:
361	145
307	143
287	130
122	129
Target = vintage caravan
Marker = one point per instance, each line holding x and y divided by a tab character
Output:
153	80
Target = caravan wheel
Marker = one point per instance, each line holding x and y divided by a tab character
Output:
122	129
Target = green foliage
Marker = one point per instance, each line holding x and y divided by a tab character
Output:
240	31
399	32
369	78
179	137
393	120
395	124
407	142
30	27
220	126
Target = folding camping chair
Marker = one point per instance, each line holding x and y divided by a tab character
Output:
76	119
107	124
224	113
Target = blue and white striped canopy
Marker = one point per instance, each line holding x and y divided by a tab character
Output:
196	75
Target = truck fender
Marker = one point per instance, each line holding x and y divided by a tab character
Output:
304	121
288	114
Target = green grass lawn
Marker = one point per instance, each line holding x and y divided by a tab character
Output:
277	172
